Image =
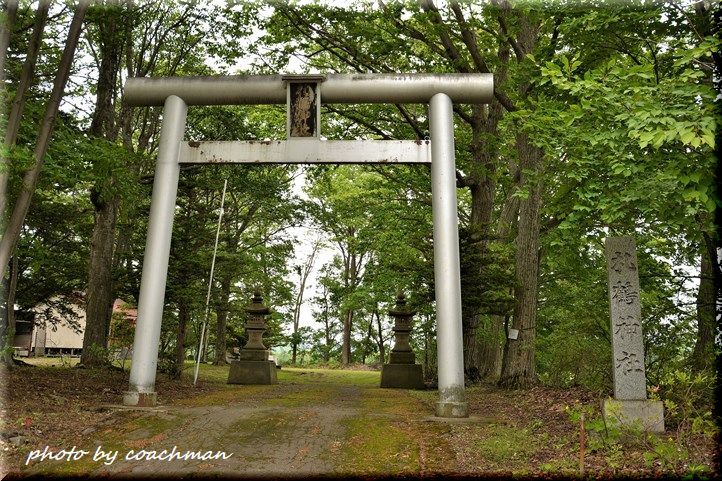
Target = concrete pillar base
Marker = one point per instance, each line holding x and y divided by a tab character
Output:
403	376
252	372
446	409
140	399
644	413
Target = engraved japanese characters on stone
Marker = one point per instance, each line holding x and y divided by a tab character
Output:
622	260
627	326
624	293
628	362
631	405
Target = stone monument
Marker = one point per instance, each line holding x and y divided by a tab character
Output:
253	366
630	405
402	370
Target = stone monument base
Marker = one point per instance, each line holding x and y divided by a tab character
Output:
645	413
252	372
404	376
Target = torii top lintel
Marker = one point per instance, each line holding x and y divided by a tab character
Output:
464	88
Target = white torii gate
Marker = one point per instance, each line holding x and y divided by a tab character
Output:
303	95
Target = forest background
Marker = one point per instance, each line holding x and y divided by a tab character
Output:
602	123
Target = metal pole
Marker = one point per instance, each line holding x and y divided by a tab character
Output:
210	282
446	260
155	264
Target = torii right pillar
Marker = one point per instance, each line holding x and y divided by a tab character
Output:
447	273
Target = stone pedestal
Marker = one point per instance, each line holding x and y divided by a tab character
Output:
252	372
630	405
645	413
402	370
253	366
404	376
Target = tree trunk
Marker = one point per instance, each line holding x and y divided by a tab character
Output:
518	368
350	282
99	302
105	201
303	277
30	179
6	28
482	187
491	346
18	105
368	341
346	343
9	334
327	327
222	318
426	352
7	321
703	355
707	19
382	348
184	316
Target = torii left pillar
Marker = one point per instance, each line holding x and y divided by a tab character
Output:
157	251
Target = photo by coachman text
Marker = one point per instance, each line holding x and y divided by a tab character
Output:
132	455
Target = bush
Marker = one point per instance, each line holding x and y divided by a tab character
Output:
688	401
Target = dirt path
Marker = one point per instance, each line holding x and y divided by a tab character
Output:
293	429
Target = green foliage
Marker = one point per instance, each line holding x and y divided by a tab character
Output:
669	451
487	275
688	400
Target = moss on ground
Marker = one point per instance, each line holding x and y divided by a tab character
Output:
387	437
376	446
504	444
305	396
330	376
231	394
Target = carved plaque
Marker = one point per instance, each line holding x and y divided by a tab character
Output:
303	110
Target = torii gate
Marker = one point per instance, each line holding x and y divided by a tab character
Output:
303	94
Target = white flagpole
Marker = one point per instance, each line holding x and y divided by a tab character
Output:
210	284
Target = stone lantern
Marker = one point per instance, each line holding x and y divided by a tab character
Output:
402	370
253	366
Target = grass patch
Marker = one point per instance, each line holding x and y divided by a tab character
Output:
60	361
560	466
390	401
385	439
231	394
504	445
375	446
329	376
